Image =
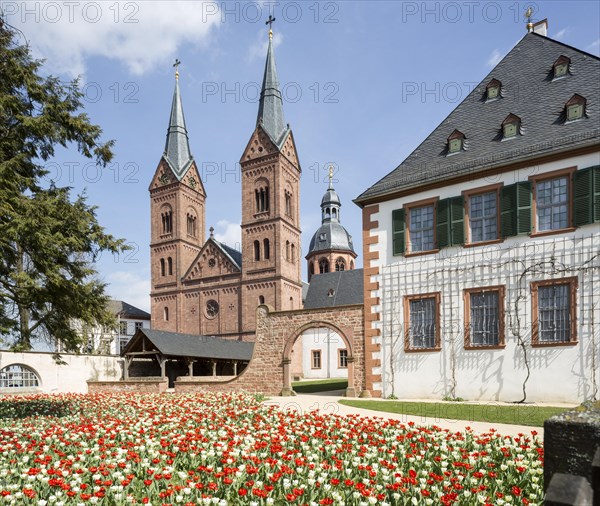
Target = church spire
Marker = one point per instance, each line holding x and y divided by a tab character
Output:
270	109
177	148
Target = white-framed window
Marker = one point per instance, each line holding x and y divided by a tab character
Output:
316	359
421	228
483	216
342	358
18	376
552	199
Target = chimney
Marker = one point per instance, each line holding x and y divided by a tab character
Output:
541	27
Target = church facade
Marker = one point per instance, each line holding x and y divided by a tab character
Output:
201	286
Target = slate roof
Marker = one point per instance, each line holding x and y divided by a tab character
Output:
233	254
528	91
331	236
177	147
345	287
125	310
175	344
270	108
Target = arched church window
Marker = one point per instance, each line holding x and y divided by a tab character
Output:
191	225
261	299
340	265
261	196
167	220
166	314
287	250
163	270
323	265
266	249
18	376
257	250
292	253
333	213
291	302
288	204
170	266
351	264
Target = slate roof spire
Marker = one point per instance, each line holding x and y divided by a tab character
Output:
270	108
177	148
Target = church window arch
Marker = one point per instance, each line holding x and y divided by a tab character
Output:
351	264
166	314
257	250
261	195
163	268
323	266
261	299
170	266
340	264
292	252
191	223
18	376
288	203
266	249
166	217
287	250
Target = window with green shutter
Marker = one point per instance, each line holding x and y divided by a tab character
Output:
586	196
398	225
515	209
450	218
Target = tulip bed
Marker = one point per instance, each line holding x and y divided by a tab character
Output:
229	449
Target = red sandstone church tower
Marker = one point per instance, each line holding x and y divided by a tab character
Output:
201	286
270	206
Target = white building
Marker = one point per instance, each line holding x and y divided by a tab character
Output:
482	247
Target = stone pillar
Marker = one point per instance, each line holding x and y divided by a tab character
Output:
214	367
350	391
287	385
162	362
190	364
235	367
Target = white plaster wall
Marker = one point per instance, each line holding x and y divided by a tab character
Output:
558	374
71	377
328	342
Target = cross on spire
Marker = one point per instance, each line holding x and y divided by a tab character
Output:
330	176
176	65
270	22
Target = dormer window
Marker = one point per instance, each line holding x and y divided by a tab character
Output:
455	142
575	107
561	66
511	126
492	90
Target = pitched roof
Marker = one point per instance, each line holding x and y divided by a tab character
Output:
270	108
175	344
125	310
335	289
233	254
529	92
177	147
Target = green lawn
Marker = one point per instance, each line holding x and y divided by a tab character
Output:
311	386
432	412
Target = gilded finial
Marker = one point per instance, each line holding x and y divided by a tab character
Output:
330	176
176	65
270	23
528	14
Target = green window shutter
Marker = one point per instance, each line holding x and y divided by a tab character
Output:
443	223
398	224
596	197
508	210
515	209
457	213
524	207
586	196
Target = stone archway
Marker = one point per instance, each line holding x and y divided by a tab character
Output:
345	333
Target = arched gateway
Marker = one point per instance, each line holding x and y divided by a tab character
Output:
268	371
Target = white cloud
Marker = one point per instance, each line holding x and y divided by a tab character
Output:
593	47
560	35
130	287
229	233
494	58
141	34
258	50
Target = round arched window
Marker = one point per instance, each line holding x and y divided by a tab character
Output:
18	376
212	308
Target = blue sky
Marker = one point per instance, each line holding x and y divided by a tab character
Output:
364	82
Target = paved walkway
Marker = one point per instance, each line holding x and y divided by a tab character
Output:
327	402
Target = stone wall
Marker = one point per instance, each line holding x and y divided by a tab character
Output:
152	385
69	377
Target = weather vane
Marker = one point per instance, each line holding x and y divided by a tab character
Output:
270	22
528	14
331	176
176	65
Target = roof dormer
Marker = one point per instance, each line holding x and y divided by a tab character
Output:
511	127
492	90
560	68
455	142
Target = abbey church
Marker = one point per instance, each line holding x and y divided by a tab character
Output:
203	287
